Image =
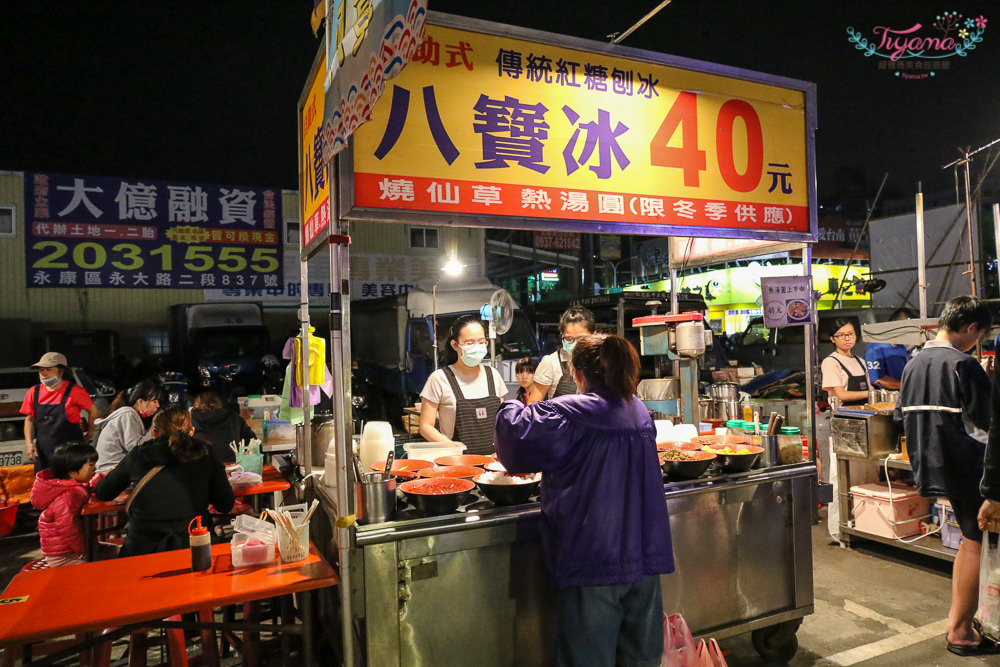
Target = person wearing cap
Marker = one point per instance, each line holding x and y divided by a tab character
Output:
53	410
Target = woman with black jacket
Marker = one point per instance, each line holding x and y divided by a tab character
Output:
183	476
219	426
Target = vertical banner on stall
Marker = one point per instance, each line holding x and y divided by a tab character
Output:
787	301
488	121
314	176
89	231
370	42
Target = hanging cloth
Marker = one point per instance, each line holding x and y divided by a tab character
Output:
317	359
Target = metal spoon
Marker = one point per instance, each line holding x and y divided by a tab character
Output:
388	464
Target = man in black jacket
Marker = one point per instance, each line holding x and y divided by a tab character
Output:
945	406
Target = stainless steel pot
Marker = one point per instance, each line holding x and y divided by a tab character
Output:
724	391
706	408
659	389
322	432
727	410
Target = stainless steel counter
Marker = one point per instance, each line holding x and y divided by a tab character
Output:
472	587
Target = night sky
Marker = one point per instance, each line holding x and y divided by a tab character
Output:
206	91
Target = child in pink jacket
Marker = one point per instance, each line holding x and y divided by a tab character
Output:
61	491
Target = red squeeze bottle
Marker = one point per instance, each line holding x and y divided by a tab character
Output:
201	546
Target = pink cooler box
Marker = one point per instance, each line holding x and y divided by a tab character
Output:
898	514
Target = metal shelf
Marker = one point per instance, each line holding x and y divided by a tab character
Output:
929	545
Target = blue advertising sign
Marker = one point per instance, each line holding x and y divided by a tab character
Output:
88	231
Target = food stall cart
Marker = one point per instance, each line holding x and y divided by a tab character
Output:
470	586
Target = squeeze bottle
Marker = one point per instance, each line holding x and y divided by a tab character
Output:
201	546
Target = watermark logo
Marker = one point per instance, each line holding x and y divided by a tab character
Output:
916	51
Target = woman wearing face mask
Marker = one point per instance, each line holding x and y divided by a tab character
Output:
122	431
465	394
53	410
554	377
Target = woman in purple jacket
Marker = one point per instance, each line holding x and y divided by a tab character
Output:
607	534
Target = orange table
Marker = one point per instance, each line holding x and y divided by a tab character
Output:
138	592
272	482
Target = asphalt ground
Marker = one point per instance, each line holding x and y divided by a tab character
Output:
875	605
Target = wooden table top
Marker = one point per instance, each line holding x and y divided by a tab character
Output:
93	596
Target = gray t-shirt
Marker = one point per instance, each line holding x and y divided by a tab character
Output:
121	432
439	391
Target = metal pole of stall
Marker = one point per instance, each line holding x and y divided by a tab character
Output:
921	255
810	340
305	441
340	341
996	236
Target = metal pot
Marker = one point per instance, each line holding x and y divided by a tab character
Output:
727	410
660	389
323	430
724	391
706	408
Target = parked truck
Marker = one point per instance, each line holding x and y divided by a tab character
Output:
393	349
220	345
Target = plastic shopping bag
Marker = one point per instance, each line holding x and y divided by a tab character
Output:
989	585
709	654
678	644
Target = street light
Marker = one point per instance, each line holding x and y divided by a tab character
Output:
614	267
450	269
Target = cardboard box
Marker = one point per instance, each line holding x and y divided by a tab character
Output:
892	514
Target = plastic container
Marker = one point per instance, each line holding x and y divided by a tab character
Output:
951	533
263	407
279	432
293	545
376	443
664	427
683	432
893	515
429	451
330	469
251	550
789	445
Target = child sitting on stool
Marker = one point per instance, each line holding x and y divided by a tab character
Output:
61	491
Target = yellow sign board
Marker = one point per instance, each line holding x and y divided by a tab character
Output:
313	180
484	124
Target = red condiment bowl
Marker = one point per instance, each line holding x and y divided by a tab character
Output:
440	495
464	460
451	471
404	465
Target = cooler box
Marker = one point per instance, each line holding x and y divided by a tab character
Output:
894	515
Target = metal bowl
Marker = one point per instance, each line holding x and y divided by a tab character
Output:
679	470
736	462
508	494
437	495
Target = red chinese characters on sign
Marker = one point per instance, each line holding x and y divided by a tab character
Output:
557	240
419	193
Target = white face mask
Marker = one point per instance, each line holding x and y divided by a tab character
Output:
473	355
50	382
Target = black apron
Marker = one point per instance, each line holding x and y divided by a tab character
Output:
474	417
567	383
52	426
854	382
